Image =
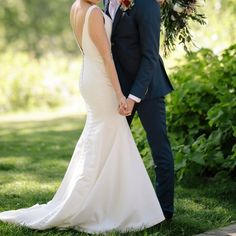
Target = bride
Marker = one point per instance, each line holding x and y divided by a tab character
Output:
106	186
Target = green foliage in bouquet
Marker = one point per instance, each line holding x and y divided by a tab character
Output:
176	16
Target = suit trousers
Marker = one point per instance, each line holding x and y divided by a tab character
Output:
152	114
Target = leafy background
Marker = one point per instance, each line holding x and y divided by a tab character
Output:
39	73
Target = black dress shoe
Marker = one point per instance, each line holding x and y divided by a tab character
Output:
168	216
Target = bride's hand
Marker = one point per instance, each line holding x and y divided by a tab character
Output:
122	105
122	102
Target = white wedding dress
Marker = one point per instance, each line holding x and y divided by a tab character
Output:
106	186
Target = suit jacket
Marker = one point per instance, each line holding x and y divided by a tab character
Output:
135	44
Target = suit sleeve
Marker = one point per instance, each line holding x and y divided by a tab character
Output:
148	21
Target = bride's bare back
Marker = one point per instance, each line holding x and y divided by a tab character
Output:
77	19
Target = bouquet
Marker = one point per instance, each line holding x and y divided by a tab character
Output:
175	17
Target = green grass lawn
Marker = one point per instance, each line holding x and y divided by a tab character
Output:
34	155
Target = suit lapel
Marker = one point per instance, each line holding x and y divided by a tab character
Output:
117	19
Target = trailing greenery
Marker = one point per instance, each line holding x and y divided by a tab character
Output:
36	152
175	17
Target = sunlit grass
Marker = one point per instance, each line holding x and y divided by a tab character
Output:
34	155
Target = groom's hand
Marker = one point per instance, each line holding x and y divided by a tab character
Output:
124	111
130	105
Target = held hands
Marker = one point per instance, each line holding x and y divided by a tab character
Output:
126	106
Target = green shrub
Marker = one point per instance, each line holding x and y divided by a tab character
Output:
201	114
27	83
202	111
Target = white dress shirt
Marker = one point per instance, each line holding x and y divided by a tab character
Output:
113	7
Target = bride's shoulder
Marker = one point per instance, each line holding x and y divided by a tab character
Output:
95	10
95	14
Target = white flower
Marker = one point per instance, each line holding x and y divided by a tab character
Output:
172	18
178	8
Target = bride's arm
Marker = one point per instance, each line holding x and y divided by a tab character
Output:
99	37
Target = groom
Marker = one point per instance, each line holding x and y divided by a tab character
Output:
135	47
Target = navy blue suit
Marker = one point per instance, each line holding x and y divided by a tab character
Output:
135	44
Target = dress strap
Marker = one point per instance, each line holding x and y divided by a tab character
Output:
89	12
85	27
85	36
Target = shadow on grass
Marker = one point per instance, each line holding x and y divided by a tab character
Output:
38	148
37	152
